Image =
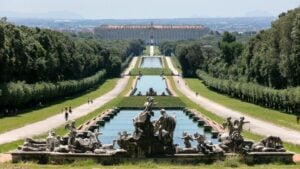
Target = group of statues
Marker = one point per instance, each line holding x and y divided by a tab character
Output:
75	142
233	141
203	145
151	92
152	138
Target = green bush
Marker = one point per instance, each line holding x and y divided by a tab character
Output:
285	100
15	94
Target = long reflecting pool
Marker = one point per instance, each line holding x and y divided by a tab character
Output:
156	82
151	62
123	122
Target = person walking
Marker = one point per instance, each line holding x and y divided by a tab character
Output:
66	115
297	112
70	110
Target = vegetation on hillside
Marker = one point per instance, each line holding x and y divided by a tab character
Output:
40	64
265	70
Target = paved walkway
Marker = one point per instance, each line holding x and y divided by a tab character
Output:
256	125
131	66
55	121
151	50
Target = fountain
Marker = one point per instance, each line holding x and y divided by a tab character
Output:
151	139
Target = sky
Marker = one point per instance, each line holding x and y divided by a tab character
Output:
147	9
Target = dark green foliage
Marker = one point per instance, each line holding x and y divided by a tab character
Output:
20	93
228	37
285	100
190	57
265	70
137	47
272	58
167	48
230	48
39	64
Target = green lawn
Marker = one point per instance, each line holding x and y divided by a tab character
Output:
33	115
176	64
147	51
251	136
150	164
138	62
228	163
151	71
61	130
256	111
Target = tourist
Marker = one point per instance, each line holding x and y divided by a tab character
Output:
66	116
88	101
91	101
196	93
70	110
298	119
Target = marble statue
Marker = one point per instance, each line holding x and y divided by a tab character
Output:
187	140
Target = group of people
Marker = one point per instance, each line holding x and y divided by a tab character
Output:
67	111
90	101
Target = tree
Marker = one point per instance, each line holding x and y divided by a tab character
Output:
228	37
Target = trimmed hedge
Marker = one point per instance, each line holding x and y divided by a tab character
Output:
287	100
15	94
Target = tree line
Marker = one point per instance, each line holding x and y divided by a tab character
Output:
267	63
286	100
42	63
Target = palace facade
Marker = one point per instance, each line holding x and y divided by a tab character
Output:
151	34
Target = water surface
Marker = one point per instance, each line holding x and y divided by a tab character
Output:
123	122
156	82
151	62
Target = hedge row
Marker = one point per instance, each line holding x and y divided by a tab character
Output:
287	100
16	94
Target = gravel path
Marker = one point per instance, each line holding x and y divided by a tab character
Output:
256	125
55	121
131	66
151	50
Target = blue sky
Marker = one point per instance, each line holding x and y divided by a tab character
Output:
140	9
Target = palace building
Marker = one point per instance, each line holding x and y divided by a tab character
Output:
151	34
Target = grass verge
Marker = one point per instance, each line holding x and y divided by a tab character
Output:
61	130
232	162
266	114
255	137
176	64
151	71
33	115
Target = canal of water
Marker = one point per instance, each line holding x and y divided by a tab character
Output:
123	121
